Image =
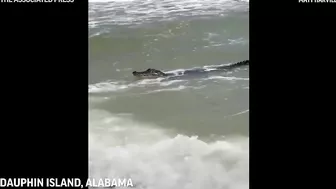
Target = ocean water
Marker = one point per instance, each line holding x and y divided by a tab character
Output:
187	133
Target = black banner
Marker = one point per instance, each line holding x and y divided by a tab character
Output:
44	73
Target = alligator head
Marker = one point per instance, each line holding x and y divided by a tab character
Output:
149	73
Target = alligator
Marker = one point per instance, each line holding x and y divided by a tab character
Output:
154	73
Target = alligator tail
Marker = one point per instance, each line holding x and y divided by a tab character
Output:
241	63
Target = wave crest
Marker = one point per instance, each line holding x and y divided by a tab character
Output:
152	158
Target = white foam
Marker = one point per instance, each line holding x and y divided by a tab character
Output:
179	88
238	41
121	12
107	87
121	86
159	85
156	159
